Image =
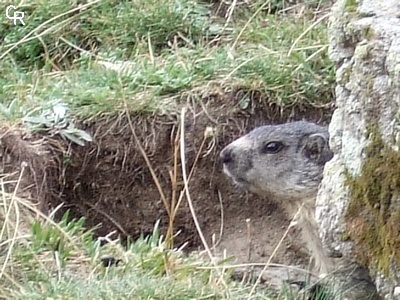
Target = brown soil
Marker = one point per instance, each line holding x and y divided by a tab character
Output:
109	183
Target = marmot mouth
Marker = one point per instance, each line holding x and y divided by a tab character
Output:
239	181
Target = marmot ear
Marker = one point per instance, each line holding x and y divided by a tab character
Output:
316	147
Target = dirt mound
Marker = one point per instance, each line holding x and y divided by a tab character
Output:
109	182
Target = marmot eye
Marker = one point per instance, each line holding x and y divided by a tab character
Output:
273	147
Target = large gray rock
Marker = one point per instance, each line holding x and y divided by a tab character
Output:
358	204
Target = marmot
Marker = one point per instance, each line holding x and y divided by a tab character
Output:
285	163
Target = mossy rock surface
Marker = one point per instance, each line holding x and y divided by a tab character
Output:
373	214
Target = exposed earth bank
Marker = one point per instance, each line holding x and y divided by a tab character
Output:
109	182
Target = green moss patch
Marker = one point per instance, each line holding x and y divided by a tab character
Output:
373	221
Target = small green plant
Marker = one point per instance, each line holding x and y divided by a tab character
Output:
11	110
45	236
55	122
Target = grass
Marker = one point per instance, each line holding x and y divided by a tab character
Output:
79	60
164	48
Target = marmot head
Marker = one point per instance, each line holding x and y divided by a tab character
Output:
281	161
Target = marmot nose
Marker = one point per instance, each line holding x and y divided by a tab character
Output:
226	155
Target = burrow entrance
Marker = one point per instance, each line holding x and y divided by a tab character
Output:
109	183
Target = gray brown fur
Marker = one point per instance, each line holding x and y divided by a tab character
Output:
290	176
